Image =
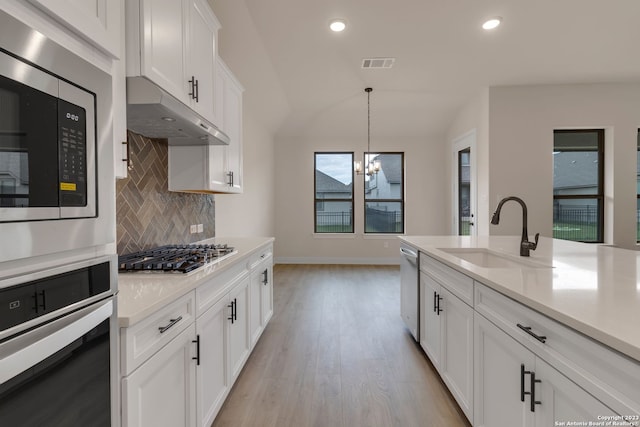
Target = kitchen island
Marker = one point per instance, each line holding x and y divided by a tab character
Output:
568	316
184	338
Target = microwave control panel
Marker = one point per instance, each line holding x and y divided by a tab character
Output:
72	129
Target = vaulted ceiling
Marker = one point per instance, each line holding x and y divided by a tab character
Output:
442	56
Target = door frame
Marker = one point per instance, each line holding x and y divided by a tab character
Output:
465	141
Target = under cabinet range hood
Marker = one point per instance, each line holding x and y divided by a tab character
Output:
154	113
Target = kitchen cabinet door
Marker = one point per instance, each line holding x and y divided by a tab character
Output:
98	21
212	380
430	318
561	400
266	294
161	392
255	306
456	367
162	29
239	338
232	126
498	379
201	57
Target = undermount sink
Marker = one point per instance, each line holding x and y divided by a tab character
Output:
487	258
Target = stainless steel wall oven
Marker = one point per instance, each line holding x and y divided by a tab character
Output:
58	361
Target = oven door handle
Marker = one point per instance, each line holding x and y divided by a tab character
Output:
29	349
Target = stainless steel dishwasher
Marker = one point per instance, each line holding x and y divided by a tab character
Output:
410	289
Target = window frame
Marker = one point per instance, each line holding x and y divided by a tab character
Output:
599	196
401	200
316	200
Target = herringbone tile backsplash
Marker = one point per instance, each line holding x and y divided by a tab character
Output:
148	215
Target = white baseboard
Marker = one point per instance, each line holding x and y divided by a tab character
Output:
337	260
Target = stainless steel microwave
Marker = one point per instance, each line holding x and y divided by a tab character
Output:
47	145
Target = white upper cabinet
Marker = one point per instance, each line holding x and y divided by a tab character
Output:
97	21
213	168
173	43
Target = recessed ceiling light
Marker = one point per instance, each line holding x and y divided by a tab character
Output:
492	23
168	119
337	25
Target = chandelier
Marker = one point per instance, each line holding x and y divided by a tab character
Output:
373	166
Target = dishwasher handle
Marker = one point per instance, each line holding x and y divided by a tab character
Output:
408	253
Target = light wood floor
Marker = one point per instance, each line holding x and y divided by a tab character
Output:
336	353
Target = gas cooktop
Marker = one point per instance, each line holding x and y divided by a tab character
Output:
174	258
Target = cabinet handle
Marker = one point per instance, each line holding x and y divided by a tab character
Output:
265	277
534	402
527	329
172	322
232	311
523	372
197	343
230	175
439	309
128	159
192	82
197	91
435	301
235	309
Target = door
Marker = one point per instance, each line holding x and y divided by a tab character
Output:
498	378
464	179
211	374
429	318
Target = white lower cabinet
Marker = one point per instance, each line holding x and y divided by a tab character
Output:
239	340
508	365
161	392
561	400
447	338
261	307
212	378
515	387
179	363
497	379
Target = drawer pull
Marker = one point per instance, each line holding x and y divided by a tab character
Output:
523	372
527	329
534	402
172	322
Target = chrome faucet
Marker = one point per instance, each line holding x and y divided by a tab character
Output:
525	244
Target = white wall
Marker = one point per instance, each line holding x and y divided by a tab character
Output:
251	213
521	124
264	107
425	200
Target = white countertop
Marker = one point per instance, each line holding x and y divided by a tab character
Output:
142	293
594	289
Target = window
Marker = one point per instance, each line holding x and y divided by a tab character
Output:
578	190
384	194
333	193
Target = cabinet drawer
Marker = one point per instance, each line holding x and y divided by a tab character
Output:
611	377
215	288
456	282
145	338
261	255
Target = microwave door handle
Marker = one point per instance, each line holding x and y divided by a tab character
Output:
35	346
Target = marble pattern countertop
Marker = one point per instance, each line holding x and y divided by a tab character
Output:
141	294
594	289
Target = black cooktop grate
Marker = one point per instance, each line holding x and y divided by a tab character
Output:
173	258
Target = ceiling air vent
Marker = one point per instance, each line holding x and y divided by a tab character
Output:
378	62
